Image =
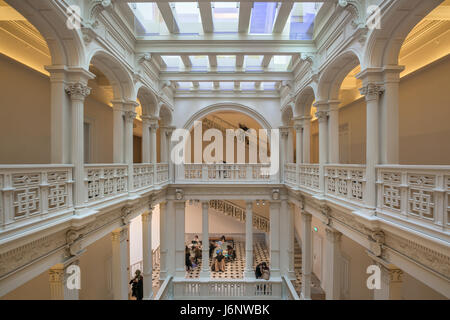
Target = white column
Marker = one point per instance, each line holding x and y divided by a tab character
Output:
249	273
290	147
333	132
169	144
284	132
332	264
171	223
78	92
60	116
205	273
163	144
298	126
146	153
275	239
59	277
306	139
389	118
180	270
130	115
154	149
322	116
147	254
120	263
391	281
163	241
306	255
286	240
372	93
118	132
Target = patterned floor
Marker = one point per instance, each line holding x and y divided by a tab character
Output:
235	269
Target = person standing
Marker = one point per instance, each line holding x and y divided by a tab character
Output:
137	285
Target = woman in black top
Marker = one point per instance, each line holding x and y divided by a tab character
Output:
188	259
137	285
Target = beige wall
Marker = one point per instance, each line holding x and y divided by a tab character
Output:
36	289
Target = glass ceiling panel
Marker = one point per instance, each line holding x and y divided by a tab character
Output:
205	86
226	63
300	25
263	17
199	63
184	85
280	63
247	85
225	17
253	63
148	20
173	63
188	17
268	85
226	85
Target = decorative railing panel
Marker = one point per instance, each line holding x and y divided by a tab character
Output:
290	174
105	181
227	289
245	172
32	190
143	175
230	209
420	192
162	173
345	182
309	176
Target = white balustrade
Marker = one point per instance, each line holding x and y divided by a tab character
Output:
227	288
143	175
105	181
162	173
309	176
290	174
419	193
223	173
27	191
345	181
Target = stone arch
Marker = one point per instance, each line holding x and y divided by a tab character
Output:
66	46
287	114
117	74
165	115
383	45
304	101
149	102
331	78
227	106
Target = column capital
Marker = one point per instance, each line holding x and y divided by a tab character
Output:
249	204
130	116
390	271
120	234
284	131
322	116
78	91
371	91
333	105
205	205
333	235
147	216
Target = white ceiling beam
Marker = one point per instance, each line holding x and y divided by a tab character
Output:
168	16
166	1
206	15
186	61
245	10
216	85
266	60
160	61
282	17
195	84
222	76
212	60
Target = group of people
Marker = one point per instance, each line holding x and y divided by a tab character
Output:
219	251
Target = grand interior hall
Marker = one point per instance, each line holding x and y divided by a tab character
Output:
291	150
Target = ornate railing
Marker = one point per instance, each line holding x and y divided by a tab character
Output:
230	209
288	290
165	292
309	176
143	175
28	191
290	174
345	181
415	192
162	173
227	289
136	266
105	181
244	172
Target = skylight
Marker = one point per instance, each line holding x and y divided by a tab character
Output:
269	85
199	63
187	16
280	63
226	63
173	63
300	25
226	85
184	85
205	86
247	86
263	17
148	20
225	17
253	63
